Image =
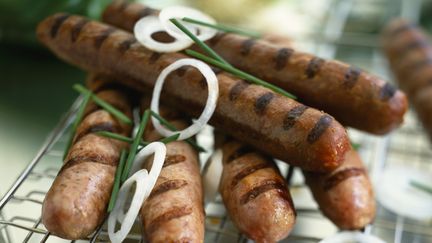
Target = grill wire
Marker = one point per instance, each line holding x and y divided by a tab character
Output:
406	145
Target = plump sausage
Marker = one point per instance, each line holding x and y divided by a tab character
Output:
77	200
353	96
174	212
279	126
344	196
410	56
255	194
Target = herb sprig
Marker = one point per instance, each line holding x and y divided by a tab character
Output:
421	186
117	180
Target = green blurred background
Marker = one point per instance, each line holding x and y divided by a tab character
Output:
35	87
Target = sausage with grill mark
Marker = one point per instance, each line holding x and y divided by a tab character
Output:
255	194
315	141
345	195
77	201
354	97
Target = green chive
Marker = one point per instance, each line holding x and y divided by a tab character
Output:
78	118
173	128
200	43
355	146
239	73
120	137
421	186
111	109
170	138
117	178
134	146
225	28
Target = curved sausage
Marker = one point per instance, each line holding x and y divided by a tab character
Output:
255	194
353	96
77	201
345	196
279	126
174	211
410	55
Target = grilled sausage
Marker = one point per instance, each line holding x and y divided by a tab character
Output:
174	211
77	200
344	196
255	194
410	56
253	114
352	96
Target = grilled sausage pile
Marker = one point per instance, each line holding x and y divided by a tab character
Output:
410	56
260	125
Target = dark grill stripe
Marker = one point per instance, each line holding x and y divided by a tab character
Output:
213	41
246	47
76	29
216	70
282	57
243	150
123	6
237	89
181	71
99	40
292	116
173	159
167	186
387	91
313	67
145	12
402	29
319	128
248	171
154	57
421	43
126	44
351	76
175	212
262	102
94	158
58	21
340	176
264	187
105	126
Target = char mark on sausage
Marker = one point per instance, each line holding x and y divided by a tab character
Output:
99	40
262	102
126	44
319	128
313	67
175	212
341	176
174	159
351	76
247	46
59	20
237	89
167	186
387	91
282	57
265	186
292	116
248	171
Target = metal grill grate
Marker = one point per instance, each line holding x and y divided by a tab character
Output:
20	207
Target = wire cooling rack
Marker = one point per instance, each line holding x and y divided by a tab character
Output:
342	37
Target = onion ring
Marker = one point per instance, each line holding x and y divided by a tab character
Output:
213	94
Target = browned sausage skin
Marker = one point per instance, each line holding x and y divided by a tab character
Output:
352	96
253	114
76	202
255	194
174	211
410	56
345	195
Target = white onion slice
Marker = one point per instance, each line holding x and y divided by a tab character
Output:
144	185
352	236
212	173
213	94
147	26
178	12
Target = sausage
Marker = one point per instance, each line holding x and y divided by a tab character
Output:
255	195
77	201
281	127
354	97
345	196
174	211
410	56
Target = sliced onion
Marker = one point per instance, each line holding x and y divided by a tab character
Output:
212	173
213	94
354	236
144	185
147	26
178	12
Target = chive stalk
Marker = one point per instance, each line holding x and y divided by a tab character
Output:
421	186
120	137
239	73
117	179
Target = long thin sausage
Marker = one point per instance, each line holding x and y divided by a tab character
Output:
77	200
255	194
345	196
353	96
277	125
410	56
174	212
